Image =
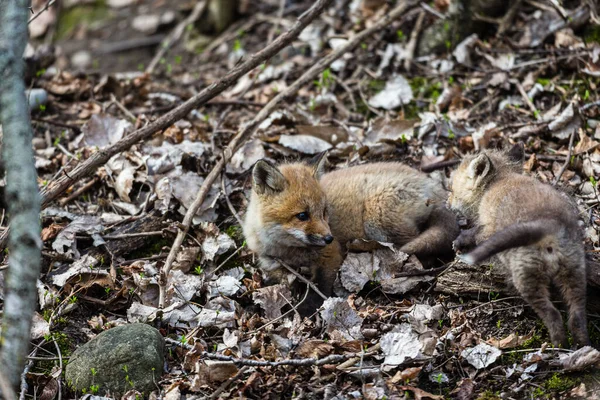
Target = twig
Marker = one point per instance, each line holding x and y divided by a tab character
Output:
432	10
251	126
121	107
412	43
60	366
334	358
527	100
133	235
229	205
303	279
46	7
55	188
78	192
176	34
508	18
226	384
567	161
271	322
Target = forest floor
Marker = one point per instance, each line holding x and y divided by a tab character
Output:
107	237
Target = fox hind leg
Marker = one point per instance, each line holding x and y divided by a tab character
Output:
571	280
534	287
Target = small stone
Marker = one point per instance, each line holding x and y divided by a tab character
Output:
81	59
123	358
146	23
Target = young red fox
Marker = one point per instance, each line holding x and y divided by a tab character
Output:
532	229
305	218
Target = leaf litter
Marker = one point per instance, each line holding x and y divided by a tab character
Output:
401	334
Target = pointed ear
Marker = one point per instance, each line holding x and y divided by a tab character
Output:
318	164
266	178
480	168
516	153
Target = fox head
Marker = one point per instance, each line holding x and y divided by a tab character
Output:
476	172
291	204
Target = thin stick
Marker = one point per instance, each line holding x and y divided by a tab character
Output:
226	384
412	43
334	358
176	34
55	188
78	192
567	161
303	279
46	7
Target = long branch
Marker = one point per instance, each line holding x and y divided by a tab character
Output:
247	131
99	158
21	193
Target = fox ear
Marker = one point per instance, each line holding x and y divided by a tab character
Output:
266	178
318	164
516	153
480	168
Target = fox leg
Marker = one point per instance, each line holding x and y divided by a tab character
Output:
571	280
534	287
467	239
437	238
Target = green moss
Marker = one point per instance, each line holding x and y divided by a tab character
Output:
87	14
376	85
560	383
489	395
234	232
591	33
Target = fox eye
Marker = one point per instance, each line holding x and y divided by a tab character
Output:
303	216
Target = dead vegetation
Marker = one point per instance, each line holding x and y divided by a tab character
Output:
120	164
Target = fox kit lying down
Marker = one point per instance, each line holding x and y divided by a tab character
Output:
534	231
305	218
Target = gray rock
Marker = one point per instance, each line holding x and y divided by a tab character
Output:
120	359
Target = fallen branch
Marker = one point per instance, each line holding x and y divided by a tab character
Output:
334	358
55	188
247	131
176	34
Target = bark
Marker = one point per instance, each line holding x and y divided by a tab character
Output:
21	195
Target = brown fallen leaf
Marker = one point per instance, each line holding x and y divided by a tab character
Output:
510	342
420	394
407	374
51	231
314	349
464	390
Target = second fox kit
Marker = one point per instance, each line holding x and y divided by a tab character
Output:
534	231
304	217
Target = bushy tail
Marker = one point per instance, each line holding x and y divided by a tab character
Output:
517	235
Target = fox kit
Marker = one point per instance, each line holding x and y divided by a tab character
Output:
305	218
532	229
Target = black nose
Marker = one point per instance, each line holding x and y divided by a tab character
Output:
328	239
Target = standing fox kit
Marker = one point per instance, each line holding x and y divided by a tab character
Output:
304	217
534	231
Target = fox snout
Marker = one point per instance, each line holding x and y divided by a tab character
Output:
320	240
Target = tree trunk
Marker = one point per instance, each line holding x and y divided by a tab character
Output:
22	195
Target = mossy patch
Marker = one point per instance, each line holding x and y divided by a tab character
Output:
87	14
